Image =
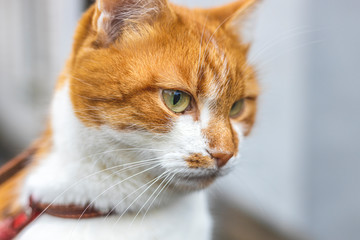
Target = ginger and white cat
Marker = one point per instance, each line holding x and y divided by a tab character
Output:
150	109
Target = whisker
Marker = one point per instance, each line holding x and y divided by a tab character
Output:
114	185
263	64
117	150
163	188
109	188
149	198
150	162
75	184
127	196
277	40
139	197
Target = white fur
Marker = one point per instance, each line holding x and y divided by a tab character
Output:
187	219
83	167
102	20
75	173
205	115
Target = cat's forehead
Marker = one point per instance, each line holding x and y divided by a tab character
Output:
206	65
194	55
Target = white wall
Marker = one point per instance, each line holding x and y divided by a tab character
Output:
333	136
35	41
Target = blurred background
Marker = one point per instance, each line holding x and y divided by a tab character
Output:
300	171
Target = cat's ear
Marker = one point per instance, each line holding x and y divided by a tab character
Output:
237	16
112	17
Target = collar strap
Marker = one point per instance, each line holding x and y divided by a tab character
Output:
66	211
11	227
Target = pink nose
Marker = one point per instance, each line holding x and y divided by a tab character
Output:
221	158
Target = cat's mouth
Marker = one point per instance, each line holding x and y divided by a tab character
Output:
198	178
200	171
196	181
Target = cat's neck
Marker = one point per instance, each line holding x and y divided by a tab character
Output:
85	165
187	218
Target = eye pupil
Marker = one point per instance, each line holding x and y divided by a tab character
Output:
237	108
177	101
177	97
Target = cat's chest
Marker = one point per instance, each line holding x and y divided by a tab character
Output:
186	219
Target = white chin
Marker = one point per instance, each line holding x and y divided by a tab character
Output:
192	183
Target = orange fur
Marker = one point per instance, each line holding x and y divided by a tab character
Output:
10	190
117	79
197	161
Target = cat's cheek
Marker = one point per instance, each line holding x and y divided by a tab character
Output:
186	137
173	162
184	140
240	130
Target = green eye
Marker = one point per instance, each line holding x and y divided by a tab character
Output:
237	108
177	101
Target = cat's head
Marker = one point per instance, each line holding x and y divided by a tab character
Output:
169	81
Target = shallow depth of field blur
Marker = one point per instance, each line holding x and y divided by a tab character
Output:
301	167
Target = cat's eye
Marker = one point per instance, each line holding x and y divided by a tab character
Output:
177	101
237	108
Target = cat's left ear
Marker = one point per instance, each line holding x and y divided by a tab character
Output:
114	17
236	16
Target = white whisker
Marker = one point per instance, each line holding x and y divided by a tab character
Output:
163	188
106	190
138	197
149	198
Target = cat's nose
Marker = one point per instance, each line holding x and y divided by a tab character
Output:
221	158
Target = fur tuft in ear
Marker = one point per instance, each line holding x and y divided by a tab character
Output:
235	16
114	16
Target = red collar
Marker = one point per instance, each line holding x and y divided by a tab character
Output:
11	227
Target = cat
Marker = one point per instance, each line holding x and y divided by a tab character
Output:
150	109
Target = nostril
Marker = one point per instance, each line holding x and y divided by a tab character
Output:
221	158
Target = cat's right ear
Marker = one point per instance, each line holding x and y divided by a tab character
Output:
236	16
113	17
